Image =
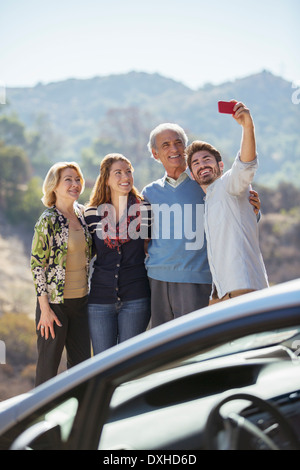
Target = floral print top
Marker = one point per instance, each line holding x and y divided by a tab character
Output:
49	253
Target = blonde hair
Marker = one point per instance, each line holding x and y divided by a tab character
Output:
101	193
52	179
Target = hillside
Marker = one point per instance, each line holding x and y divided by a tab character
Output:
80	112
16	287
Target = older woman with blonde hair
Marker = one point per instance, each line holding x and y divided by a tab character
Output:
60	257
119	221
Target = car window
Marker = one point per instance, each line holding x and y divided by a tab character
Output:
63	415
251	343
147	398
47	427
289	338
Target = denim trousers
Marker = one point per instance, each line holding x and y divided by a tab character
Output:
111	324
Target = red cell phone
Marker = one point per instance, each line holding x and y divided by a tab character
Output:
226	107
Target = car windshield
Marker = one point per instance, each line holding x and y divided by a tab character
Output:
286	337
284	342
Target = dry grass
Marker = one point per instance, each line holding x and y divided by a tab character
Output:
17	292
17	296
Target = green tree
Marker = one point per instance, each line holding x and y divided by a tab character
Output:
91	156
25	205
15	171
14	166
18	333
12	131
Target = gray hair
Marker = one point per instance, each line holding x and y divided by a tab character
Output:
167	126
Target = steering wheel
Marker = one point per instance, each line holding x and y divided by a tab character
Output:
233	423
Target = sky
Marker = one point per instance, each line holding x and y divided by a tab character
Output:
194	42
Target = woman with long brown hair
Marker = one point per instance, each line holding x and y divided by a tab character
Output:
119	221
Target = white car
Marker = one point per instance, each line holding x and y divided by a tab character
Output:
224	377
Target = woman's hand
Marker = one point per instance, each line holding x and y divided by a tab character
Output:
47	319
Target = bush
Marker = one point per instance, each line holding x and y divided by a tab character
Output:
18	333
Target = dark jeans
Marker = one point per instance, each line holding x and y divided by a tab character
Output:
73	334
171	300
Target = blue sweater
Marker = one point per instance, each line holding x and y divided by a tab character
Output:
177	250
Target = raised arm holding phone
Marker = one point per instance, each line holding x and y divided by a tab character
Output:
231	227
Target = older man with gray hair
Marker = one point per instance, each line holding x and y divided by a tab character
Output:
177	263
179	274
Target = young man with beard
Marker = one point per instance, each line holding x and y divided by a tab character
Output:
231	227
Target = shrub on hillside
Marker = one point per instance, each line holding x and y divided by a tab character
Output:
18	333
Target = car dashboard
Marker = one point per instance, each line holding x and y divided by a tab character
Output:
178	408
